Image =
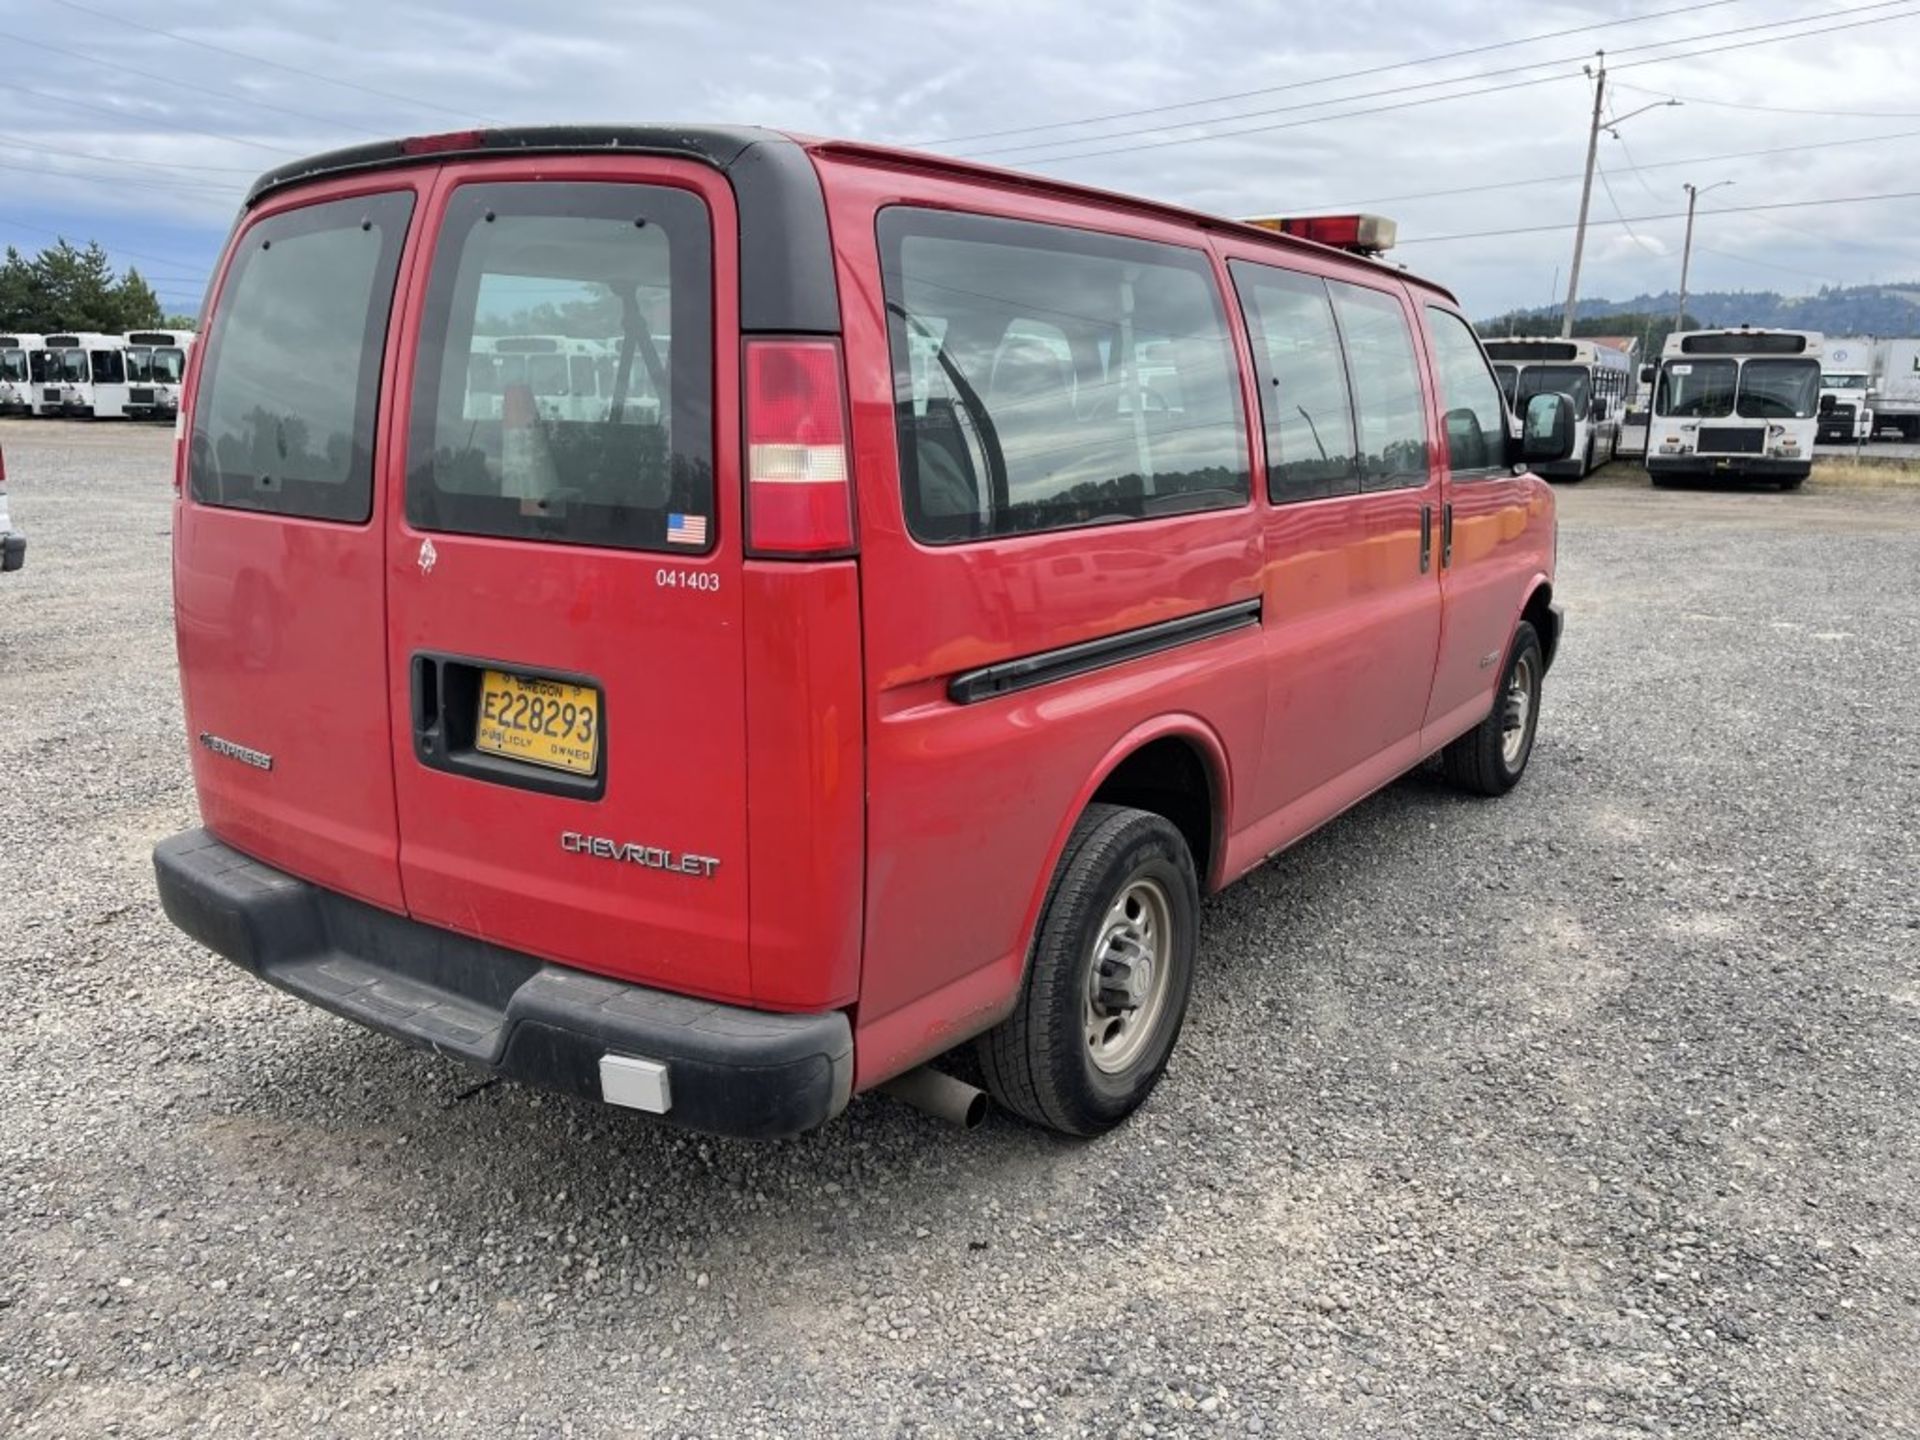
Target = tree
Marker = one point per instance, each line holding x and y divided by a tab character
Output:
68	288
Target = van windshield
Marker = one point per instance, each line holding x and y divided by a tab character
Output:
549	403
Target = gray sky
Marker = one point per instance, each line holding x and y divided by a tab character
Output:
917	73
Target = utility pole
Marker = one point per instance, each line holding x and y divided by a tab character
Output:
1694	192
1686	257
1586	197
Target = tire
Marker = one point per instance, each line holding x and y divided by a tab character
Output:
1043	1062
1794	484
1483	761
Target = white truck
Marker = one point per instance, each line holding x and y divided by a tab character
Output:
1846	377
1896	386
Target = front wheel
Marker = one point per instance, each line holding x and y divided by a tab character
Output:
1490	758
1107	983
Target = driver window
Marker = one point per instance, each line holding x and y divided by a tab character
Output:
1472	410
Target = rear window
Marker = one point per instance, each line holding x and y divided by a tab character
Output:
1047	377
284	419
565	385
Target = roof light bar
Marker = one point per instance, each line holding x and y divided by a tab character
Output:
1360	234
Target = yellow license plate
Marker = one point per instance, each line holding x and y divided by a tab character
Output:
543	722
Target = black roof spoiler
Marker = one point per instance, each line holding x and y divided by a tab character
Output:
786	257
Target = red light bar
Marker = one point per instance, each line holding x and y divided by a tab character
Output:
1362	234
435	144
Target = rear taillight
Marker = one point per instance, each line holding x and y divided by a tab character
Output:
799	499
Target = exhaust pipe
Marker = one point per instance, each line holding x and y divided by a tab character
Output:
940	1095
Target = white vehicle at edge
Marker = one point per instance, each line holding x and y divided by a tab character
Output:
1736	404
1846	377
1896	386
17	372
156	366
89	370
1595	377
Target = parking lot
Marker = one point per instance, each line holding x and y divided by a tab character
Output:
1585	1113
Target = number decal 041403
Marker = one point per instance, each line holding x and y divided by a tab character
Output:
668	578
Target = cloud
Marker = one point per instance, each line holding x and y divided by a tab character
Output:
102	151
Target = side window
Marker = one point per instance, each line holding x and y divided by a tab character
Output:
1046	377
1470	404
510	434
1305	409
1387	395
292	374
109	367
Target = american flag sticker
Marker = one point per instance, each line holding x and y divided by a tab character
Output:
686	529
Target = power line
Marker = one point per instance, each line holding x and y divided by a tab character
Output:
1303	84
1484	90
1344	205
1670	215
271	64
172	187
38	148
87	59
1780	109
124	116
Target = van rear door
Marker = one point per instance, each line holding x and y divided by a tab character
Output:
564	573
278	557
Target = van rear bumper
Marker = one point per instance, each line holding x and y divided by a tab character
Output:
728	1070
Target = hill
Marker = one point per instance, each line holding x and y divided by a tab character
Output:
1834	310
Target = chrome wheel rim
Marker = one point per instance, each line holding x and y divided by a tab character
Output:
1517	715
1130	976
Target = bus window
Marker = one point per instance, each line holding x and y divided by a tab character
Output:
1779	389
139	365
1506	375
1696	389
1573	381
581	369
547	374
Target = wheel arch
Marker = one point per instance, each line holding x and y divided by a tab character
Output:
1135	769
1538	610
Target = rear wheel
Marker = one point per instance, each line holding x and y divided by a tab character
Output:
1107	984
1490	758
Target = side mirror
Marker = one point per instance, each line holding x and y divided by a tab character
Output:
1827	404
1599	407
1646	374
1546	432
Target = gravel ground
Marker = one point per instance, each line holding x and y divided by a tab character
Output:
1586	1113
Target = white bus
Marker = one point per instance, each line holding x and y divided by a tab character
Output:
89	371
1595	377
570	378
17	373
1739	404
156	365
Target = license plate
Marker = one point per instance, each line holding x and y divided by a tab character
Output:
543	722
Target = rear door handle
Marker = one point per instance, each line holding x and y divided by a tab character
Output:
1446	535
1426	538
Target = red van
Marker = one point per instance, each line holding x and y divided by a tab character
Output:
712	621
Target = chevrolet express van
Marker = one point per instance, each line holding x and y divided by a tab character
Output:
957	575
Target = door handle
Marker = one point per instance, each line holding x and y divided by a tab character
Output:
1446	535
1426	538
